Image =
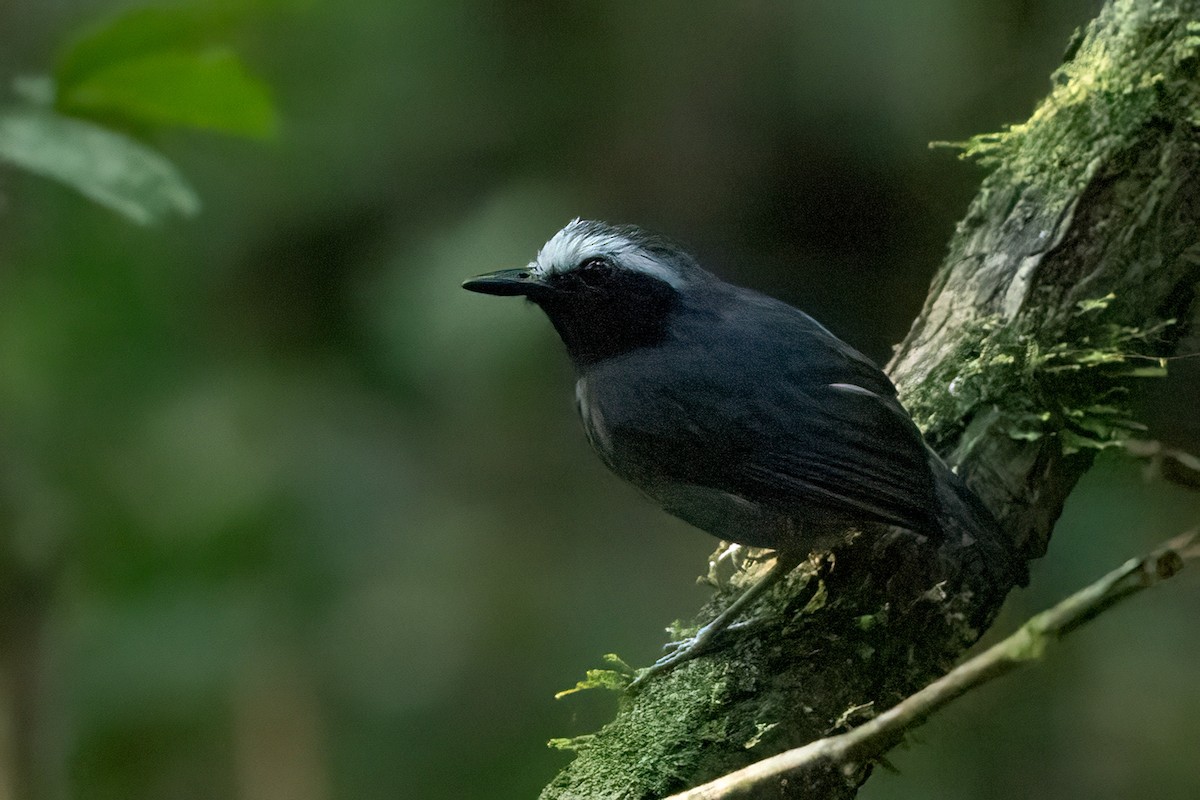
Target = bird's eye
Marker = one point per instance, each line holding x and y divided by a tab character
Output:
594	272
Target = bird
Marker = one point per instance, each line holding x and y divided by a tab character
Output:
734	411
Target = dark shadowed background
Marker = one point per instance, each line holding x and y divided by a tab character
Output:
284	513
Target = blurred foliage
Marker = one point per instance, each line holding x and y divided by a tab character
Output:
143	70
154	67
111	169
286	514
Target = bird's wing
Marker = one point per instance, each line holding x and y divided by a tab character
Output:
825	424
789	417
855	450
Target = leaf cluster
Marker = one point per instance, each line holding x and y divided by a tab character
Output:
147	70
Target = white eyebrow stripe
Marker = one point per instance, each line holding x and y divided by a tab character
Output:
575	244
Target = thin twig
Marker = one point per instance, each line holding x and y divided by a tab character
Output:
848	751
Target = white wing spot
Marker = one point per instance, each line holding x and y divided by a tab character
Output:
850	387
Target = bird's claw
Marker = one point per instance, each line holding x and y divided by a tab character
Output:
679	652
684	651
687	649
671	647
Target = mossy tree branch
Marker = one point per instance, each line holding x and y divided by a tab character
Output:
872	739
1078	251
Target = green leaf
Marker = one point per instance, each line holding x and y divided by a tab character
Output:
612	679
107	167
209	90
1094	304
597	679
139	33
1147	372
165	67
573	743
1073	442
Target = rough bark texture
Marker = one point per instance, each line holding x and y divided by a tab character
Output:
1076	253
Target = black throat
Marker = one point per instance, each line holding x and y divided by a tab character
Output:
629	311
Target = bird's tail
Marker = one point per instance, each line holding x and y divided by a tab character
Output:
972	535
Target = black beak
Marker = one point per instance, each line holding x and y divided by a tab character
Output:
506	283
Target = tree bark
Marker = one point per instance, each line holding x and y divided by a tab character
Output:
1072	272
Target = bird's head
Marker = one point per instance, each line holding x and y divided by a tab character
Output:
606	288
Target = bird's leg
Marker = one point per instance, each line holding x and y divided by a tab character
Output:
690	648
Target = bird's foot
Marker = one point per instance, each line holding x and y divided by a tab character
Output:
679	652
690	648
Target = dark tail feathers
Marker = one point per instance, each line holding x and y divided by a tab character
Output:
971	533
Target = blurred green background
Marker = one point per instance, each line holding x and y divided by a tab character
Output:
284	513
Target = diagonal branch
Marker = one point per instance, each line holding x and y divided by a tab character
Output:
871	740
